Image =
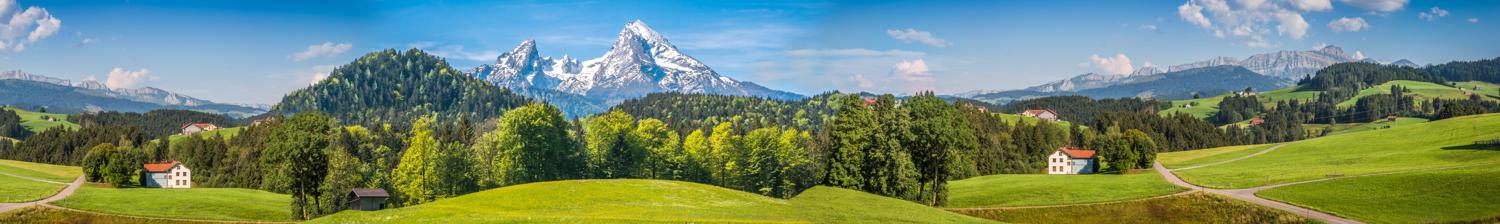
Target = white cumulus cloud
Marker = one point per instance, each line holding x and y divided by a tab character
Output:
33	23
1347	24
1313	5
913	74
1250	22
1380	6
320	73
121	78
320	50
910	35
1359	55
1433	14
1119	64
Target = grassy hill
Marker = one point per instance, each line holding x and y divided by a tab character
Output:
1416	197
1016	118
1039	189
1421	90
227	133
1425	145
1190	208
18	189
1485	88
1204	107
639	201
1205	156
39	214
230	204
57	173
35	122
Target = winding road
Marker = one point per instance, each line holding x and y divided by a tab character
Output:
1248	195
66	191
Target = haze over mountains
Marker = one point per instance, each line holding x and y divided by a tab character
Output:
62	95
641	61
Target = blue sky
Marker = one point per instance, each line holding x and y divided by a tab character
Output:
256	51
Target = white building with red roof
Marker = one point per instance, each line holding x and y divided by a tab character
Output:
167	175
1072	161
188	129
1046	114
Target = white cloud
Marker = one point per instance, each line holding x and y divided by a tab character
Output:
1381	6
1359	55
1119	64
1292	24
1152	28
914	74
1319	46
1433	14
88	41
34	23
852	52
121	78
1347	24
1313	5
1473	20
913	35
320	73
862	82
320	50
1193	14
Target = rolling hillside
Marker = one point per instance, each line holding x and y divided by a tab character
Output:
38	122
1423	91
640	201
1009	190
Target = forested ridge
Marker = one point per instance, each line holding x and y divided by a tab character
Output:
155	123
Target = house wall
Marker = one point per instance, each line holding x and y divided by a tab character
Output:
155	180
181	177
1057	163
1082	166
371	204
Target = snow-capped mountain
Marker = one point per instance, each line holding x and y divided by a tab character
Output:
94	96
1286	65
1217	61
1295	64
641	61
1080	82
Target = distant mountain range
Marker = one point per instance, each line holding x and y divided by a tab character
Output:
64	96
1171	85
640	62
1284	67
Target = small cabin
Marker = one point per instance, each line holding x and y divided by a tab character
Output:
367	199
1067	160
1391	118
1044	114
189	129
169	174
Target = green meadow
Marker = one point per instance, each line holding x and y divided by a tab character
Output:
36	122
1204	156
232	204
1421	90
1189	208
57	173
1008	190
1205	107
39	214
1416	197
15	189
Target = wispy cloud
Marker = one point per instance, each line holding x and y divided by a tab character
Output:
910	35
1347	24
852	52
121	78
1433	14
33	23
320	50
1378	6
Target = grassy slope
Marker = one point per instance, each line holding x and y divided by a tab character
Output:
1206	107
44	171
635	201
1038	189
1381	124
228	133
34	122
1191	208
1399	148
1485	88
1421	90
38	214
196	203
1204	156
1014	118
1416	197
15	189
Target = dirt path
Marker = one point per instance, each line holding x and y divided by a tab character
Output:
1248	195
66	191
1262	152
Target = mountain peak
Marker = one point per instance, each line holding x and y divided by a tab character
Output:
642	30
1332	50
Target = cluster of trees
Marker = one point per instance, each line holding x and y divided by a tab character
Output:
10	125
1084	109
1236	108
1487	70
68	146
117	166
392	87
684	112
908	151
155	123
1354	76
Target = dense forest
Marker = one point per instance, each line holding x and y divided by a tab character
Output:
155	123
10	125
392	87
684	112
1487	70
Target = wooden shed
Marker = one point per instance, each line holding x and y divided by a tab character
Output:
367	199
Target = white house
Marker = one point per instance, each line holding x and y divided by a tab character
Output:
1046	114
167	175
1072	161
188	129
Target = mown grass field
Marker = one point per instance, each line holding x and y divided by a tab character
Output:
15	189
1189	208
197	203
227	133
1204	156
1283	94
1016	118
1010	190
1442	143
38	214
33	120
1205	107
58	173
653	201
1416	197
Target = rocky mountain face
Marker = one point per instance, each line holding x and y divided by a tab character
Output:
641	61
1295	64
1183	84
30	86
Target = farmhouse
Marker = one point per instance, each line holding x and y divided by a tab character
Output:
1046	114
167	175
367	199
1072	161
188	129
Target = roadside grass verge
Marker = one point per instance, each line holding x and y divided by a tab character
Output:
1009	190
1418	197
15	189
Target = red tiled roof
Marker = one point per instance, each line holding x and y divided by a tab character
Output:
1083	154
160	167
1257	121
869	101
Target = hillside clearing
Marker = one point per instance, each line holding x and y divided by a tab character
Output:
640	201
1204	156
1189	208
1443	143
1416	197
1008	190
231	204
1422	91
36	122
55	173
